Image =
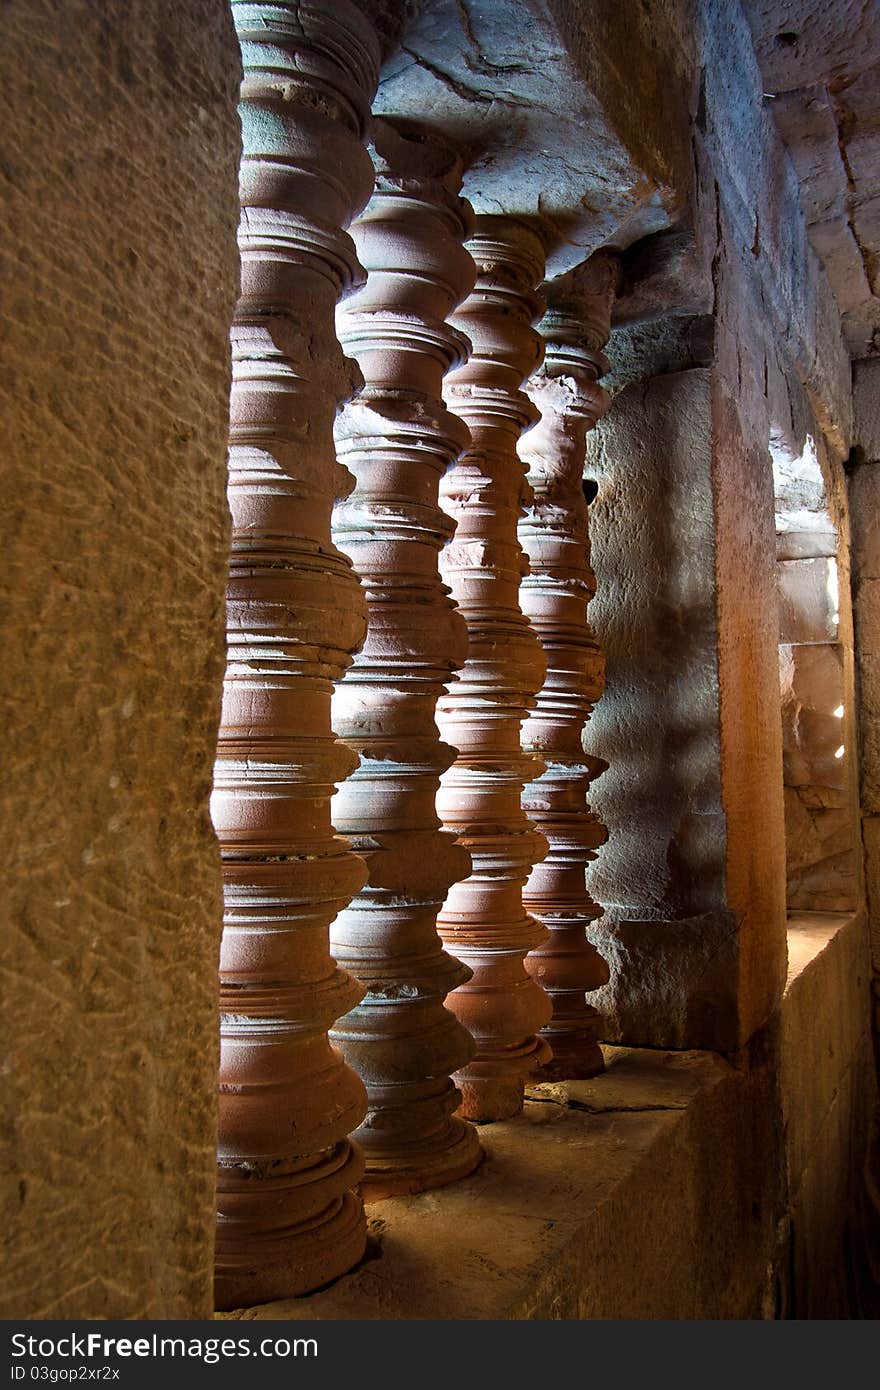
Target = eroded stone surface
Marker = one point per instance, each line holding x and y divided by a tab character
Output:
805	526
864	497
828	1090
822	862
684	549
129	629
808	600
767	277
811	680
508	86
820	65
871	841
672	981
119	145
866	412
668	277
657	724
864	489
800	43
750	726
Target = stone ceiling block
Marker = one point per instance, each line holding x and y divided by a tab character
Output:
496	78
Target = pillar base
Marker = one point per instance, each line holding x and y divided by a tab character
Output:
402	1173
293	1262
574	1059
495	1090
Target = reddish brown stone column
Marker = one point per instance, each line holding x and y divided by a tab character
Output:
555	535
398	440
483	920
288	1217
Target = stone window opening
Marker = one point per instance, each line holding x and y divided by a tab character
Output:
419	228
400	790
402	776
815	682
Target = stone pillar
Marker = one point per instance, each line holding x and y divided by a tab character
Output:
555	536
483	919
289	1219
399	440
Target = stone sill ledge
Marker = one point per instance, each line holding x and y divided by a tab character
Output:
636	1195
519	1238
809	934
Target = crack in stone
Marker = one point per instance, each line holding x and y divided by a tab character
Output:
845	121
588	1109
481	63
457	88
473	95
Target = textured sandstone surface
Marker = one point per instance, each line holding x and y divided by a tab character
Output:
820	65
864	497
701	866
691	877
769	284
828	1087
816	676
667	932
751	733
685	554
119	148
866	410
656	723
553	123
484	919
118	270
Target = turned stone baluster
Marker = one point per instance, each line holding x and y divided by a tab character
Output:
483	920
289	1219
398	440
555	535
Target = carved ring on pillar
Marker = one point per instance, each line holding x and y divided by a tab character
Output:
555	535
399	440
483	920
289	1219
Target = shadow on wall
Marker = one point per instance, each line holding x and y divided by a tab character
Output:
657	722
663	869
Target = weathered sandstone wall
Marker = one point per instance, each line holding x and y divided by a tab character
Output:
722	339
119	148
864	493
